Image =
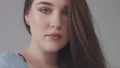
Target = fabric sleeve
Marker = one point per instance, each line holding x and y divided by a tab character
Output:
3	63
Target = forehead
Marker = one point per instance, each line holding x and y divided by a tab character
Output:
54	2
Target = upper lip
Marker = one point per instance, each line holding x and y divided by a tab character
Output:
54	34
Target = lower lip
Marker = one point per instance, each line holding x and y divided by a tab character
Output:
54	37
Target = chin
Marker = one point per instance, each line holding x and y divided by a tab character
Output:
54	47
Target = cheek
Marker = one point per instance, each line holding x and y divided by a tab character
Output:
39	22
39	26
66	28
66	25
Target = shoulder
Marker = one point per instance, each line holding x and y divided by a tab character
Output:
11	60
4	59
7	56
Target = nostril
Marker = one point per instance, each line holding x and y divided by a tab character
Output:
56	21
56	25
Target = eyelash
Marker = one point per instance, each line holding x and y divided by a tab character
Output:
65	12
45	10
48	10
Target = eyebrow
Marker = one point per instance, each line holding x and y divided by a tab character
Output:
66	7
46	3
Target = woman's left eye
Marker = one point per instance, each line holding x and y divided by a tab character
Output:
45	10
66	13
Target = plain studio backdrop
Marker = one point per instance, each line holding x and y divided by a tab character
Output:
106	14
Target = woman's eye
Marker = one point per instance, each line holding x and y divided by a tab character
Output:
45	10
65	13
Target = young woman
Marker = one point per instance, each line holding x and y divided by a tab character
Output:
62	37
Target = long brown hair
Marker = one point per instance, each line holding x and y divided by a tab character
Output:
83	49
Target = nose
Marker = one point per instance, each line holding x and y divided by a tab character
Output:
56	21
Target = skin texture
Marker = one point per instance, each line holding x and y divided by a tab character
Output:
48	21
83	49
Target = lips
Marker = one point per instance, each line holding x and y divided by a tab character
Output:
54	36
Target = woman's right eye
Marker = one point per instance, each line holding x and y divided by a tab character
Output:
45	10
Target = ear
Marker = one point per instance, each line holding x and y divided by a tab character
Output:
27	17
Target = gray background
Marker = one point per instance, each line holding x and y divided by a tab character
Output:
106	14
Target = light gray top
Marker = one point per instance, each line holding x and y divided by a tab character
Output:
11	60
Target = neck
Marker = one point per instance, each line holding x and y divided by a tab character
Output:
37	57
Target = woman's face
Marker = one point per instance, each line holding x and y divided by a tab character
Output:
48	21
